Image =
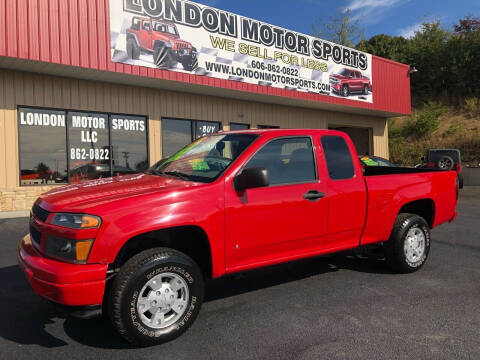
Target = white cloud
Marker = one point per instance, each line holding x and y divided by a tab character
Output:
371	11
371	4
409	31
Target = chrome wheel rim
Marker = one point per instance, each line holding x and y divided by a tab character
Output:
345	91
414	245
163	300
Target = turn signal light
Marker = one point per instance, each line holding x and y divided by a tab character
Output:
83	249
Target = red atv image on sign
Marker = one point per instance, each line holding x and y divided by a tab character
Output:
348	81
161	39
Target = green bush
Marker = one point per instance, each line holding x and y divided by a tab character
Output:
427	121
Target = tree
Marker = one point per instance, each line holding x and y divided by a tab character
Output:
386	46
340	29
427	51
467	26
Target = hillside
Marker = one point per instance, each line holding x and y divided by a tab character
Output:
435	126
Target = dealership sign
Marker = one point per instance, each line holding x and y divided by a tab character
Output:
184	36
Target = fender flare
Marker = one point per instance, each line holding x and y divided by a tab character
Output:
163	42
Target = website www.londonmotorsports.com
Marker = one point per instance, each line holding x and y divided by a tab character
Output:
269	73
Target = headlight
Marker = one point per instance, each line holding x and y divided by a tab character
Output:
76	221
76	251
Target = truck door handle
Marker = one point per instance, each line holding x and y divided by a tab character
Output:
313	195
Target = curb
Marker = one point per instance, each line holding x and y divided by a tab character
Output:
14	214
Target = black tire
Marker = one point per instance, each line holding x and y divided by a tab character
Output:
162	57
365	90
445	163
394	248
130	281
190	63
133	50
460	181
345	91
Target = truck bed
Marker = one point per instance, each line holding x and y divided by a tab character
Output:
389	188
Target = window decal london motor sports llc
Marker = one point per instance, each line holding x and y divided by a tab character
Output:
184	36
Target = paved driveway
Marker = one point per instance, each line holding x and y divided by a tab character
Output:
338	307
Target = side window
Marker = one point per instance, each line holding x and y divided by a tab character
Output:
288	160
338	157
146	26
136	24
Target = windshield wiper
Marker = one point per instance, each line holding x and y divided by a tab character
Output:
154	172
178	174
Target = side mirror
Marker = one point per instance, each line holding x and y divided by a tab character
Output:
250	178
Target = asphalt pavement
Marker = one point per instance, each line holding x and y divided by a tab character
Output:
338	307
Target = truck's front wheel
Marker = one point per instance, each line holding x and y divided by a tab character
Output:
345	90
156	296
407	249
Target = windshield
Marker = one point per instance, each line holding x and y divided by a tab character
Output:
165	28
206	159
344	72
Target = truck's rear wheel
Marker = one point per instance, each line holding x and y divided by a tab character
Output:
409	245
156	296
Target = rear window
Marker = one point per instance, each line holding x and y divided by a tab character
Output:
338	157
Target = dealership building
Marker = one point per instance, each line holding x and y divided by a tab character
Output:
97	88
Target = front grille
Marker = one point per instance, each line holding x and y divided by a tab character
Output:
35	235
40	213
181	46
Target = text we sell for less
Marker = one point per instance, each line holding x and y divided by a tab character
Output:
258	52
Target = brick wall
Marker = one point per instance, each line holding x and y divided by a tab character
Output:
20	198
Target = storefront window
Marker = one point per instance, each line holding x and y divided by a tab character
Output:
238	126
175	135
203	128
89	149
178	133
42	141
97	146
268	127
129	144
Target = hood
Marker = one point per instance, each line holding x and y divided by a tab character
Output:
96	192
165	36
338	76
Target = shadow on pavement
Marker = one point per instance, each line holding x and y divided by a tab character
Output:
25	315
293	271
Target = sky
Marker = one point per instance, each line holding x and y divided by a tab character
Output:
392	17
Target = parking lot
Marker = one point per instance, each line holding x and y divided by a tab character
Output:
338	307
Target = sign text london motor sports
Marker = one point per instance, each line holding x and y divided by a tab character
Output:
184	36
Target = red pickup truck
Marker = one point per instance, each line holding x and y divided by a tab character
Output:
140	246
348	81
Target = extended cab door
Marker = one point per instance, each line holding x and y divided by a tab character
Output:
346	191
284	220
